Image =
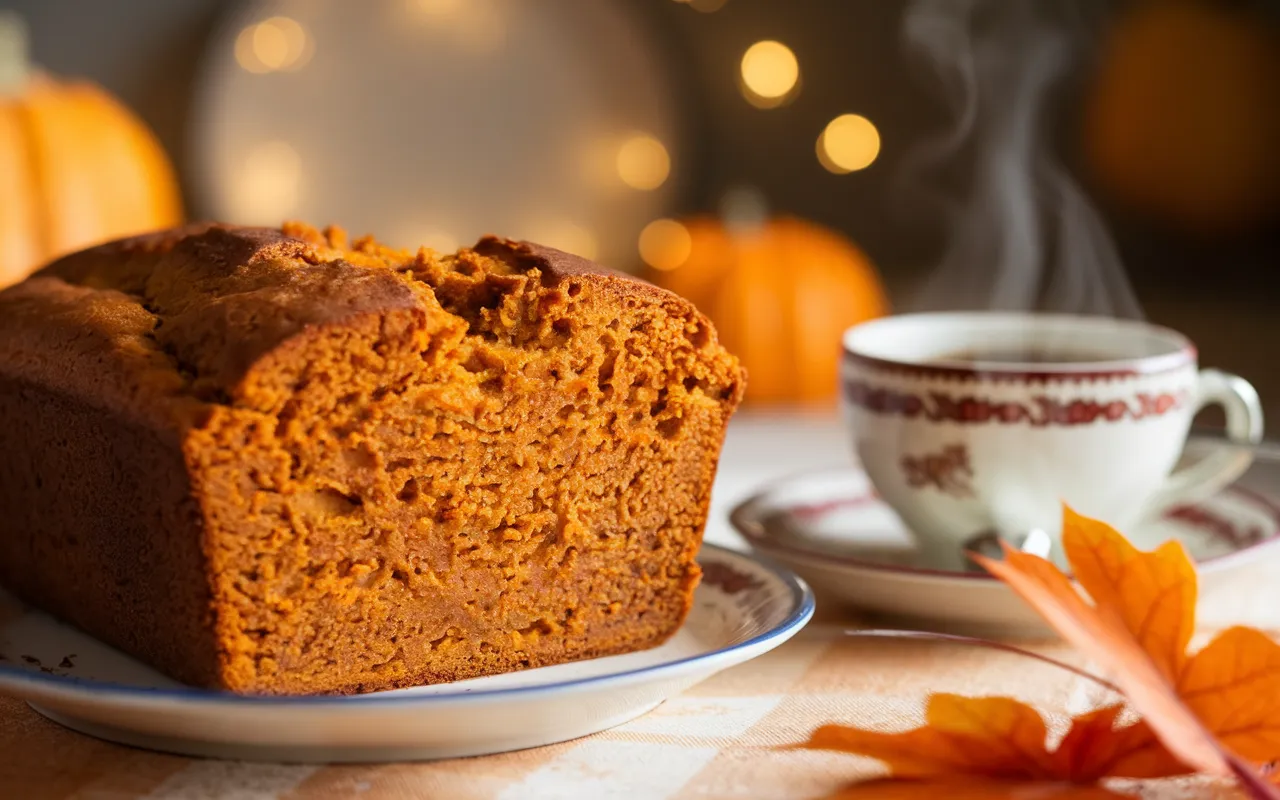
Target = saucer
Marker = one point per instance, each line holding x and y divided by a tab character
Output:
833	529
743	608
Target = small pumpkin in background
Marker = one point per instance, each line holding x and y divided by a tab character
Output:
1182	121
76	167
780	293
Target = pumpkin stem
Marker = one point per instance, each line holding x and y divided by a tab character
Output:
14	66
744	210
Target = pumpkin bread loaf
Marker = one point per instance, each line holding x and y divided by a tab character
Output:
272	462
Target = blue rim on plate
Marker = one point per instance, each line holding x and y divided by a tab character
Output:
802	608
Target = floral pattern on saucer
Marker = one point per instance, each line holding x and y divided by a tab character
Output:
834	530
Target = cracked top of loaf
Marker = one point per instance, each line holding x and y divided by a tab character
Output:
174	322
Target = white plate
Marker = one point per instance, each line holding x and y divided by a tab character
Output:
835	531
744	607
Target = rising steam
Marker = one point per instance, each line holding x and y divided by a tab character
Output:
1023	236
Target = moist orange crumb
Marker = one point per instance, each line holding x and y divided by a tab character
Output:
276	461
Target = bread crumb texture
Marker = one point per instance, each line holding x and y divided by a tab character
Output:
279	462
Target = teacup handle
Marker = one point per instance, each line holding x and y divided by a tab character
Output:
1243	409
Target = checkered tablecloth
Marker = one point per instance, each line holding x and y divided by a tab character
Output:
725	738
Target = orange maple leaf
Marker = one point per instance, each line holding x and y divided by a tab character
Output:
1152	594
1224	699
1102	635
998	737
965	789
997	747
1232	685
1206	711
1210	709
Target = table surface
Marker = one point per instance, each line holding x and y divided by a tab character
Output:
725	738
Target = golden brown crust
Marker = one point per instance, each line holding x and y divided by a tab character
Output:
380	468
556	265
224	297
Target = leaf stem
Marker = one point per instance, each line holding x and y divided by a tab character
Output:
1254	785
888	633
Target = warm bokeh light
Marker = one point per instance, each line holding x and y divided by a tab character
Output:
413	235
567	236
665	244
850	142
440	241
268	183
478	26
770	74
705	6
435	8
273	45
643	162
245	56
483	29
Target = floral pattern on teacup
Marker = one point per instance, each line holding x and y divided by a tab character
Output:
948	471
1041	411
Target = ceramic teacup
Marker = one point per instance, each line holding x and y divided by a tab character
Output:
975	422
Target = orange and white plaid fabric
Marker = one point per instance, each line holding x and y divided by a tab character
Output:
725	739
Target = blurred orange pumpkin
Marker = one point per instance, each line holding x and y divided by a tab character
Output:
780	295
76	167
1183	120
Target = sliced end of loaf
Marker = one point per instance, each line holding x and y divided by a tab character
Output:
510	469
